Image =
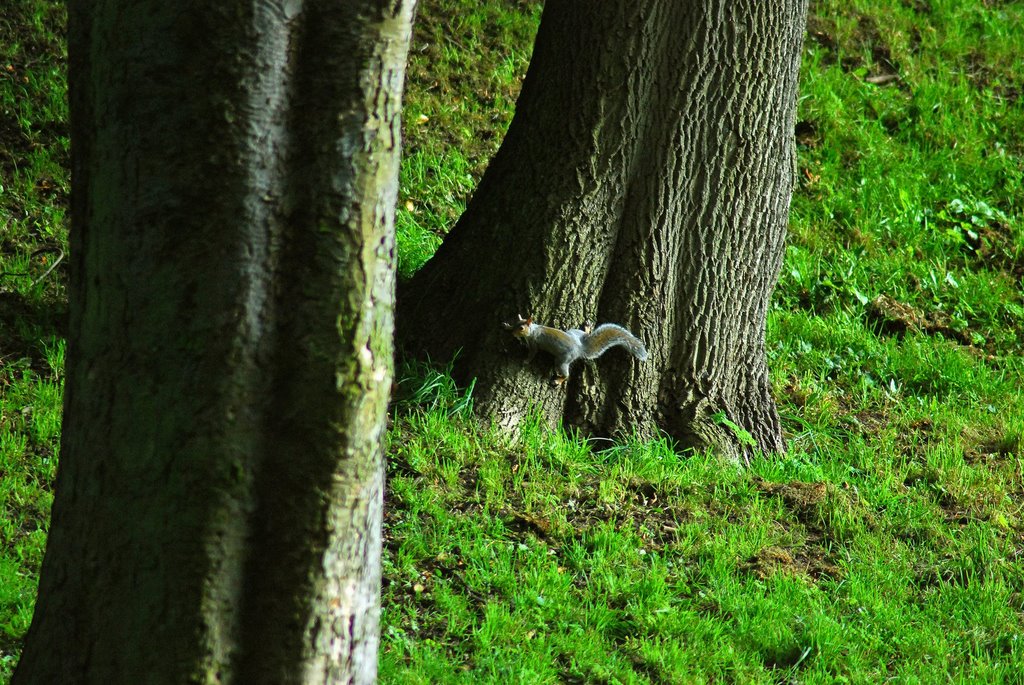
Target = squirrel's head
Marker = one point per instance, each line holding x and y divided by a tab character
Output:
518	326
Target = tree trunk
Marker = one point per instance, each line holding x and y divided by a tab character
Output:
218	505
645	180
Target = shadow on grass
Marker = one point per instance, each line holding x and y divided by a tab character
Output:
24	322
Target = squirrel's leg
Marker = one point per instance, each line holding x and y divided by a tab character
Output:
561	374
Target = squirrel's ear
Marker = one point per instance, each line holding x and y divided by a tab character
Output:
528	321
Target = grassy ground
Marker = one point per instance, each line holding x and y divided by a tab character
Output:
33	228
887	544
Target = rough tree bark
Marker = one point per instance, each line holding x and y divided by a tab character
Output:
645	180
218	504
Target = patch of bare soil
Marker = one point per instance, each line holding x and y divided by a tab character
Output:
865	48
991	244
889	316
917	438
807	135
823	33
991	443
810	561
23	322
798	496
813	558
652	513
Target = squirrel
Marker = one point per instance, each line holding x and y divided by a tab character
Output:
575	343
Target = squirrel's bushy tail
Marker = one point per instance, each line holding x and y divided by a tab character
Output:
610	335
636	347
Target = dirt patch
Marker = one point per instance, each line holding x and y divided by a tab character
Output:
823	32
889	316
798	496
526	524
807	135
991	443
811	561
14	146
869	423
657	515
865	48
979	70
916	438
795	393
992	246
24	322
866	40
811	557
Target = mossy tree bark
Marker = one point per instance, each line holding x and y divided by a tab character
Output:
645	180
218	504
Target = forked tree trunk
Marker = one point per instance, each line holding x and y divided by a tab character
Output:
645	180
218	506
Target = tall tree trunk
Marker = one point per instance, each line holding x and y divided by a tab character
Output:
644	180
218	506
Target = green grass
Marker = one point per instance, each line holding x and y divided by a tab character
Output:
888	542
466	63
551	560
34	183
